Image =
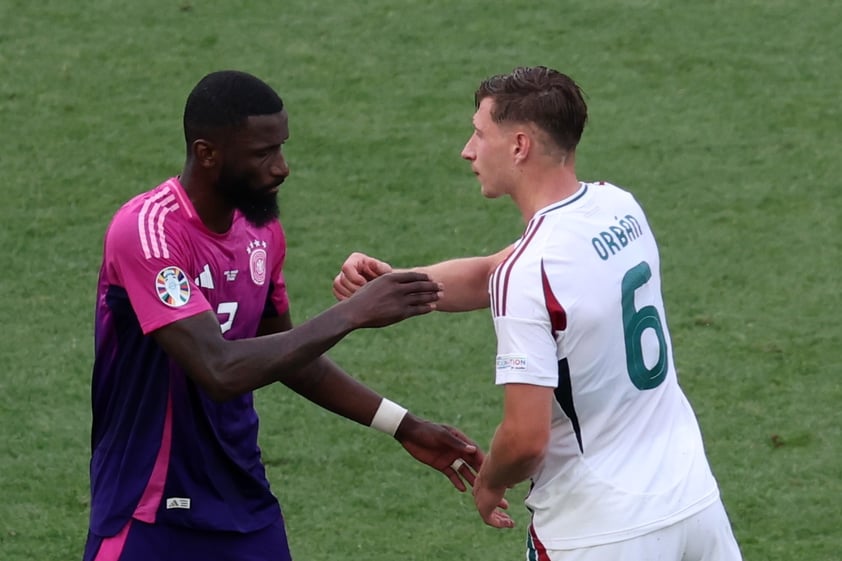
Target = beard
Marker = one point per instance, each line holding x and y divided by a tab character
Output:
258	205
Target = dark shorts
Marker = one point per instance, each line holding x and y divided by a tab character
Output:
139	541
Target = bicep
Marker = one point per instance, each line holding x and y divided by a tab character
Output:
527	411
196	344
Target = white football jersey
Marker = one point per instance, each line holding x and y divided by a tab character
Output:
577	306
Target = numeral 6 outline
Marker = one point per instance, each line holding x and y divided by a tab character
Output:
635	322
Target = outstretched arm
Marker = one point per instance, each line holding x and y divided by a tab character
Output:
465	280
327	385
225	368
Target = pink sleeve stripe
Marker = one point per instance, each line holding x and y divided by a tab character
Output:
112	548
504	270
147	508
150	223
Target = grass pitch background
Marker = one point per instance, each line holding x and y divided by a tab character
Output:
723	117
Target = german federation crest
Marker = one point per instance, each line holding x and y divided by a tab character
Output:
257	261
173	287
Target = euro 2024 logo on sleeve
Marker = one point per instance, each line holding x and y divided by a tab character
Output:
257	261
173	287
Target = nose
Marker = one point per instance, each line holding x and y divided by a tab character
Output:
280	168
468	152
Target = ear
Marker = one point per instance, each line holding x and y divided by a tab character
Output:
205	153
521	147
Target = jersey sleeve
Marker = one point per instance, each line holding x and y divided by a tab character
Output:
527	351
152	265
277	301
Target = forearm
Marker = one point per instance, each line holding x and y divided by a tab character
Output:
226	369
465	283
327	385
512	459
284	356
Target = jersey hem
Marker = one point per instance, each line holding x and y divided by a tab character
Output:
630	533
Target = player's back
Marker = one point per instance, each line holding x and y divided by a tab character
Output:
625	451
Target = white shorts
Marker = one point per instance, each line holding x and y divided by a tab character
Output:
705	536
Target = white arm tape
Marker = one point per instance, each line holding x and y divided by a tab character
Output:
388	417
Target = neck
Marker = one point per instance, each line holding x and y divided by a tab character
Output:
215	213
542	188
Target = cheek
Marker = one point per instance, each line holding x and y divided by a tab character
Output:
486	154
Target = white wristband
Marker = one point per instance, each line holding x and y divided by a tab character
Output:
388	417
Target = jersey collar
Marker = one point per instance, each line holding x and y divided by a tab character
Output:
583	188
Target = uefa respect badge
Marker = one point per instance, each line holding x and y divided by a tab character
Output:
511	363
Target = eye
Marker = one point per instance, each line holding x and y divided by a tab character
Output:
265	153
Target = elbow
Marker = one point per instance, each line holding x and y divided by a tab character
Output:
532	454
528	448
219	382
220	391
218	387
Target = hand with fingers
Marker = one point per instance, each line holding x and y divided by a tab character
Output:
441	447
357	270
391	298
489	501
444	448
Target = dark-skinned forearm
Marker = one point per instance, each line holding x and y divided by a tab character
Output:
284	356
324	383
225	369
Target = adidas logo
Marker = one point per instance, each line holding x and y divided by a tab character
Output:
205	280
178	502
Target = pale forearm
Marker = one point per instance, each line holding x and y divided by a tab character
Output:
465	280
465	283
512	459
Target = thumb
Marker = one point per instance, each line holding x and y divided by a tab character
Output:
373	268
380	267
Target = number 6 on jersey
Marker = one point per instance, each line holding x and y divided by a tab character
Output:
635	323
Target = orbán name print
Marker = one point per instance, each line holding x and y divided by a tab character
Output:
616	237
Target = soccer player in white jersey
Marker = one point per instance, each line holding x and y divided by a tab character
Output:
593	413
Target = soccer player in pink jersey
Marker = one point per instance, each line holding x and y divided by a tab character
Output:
593	414
192	315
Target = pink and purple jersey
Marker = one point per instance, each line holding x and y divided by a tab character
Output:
162	450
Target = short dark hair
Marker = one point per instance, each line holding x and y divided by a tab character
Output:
540	95
225	99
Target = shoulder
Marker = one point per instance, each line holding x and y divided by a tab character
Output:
277	233
614	194
147	222
273	233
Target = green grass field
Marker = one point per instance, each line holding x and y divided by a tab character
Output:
722	116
